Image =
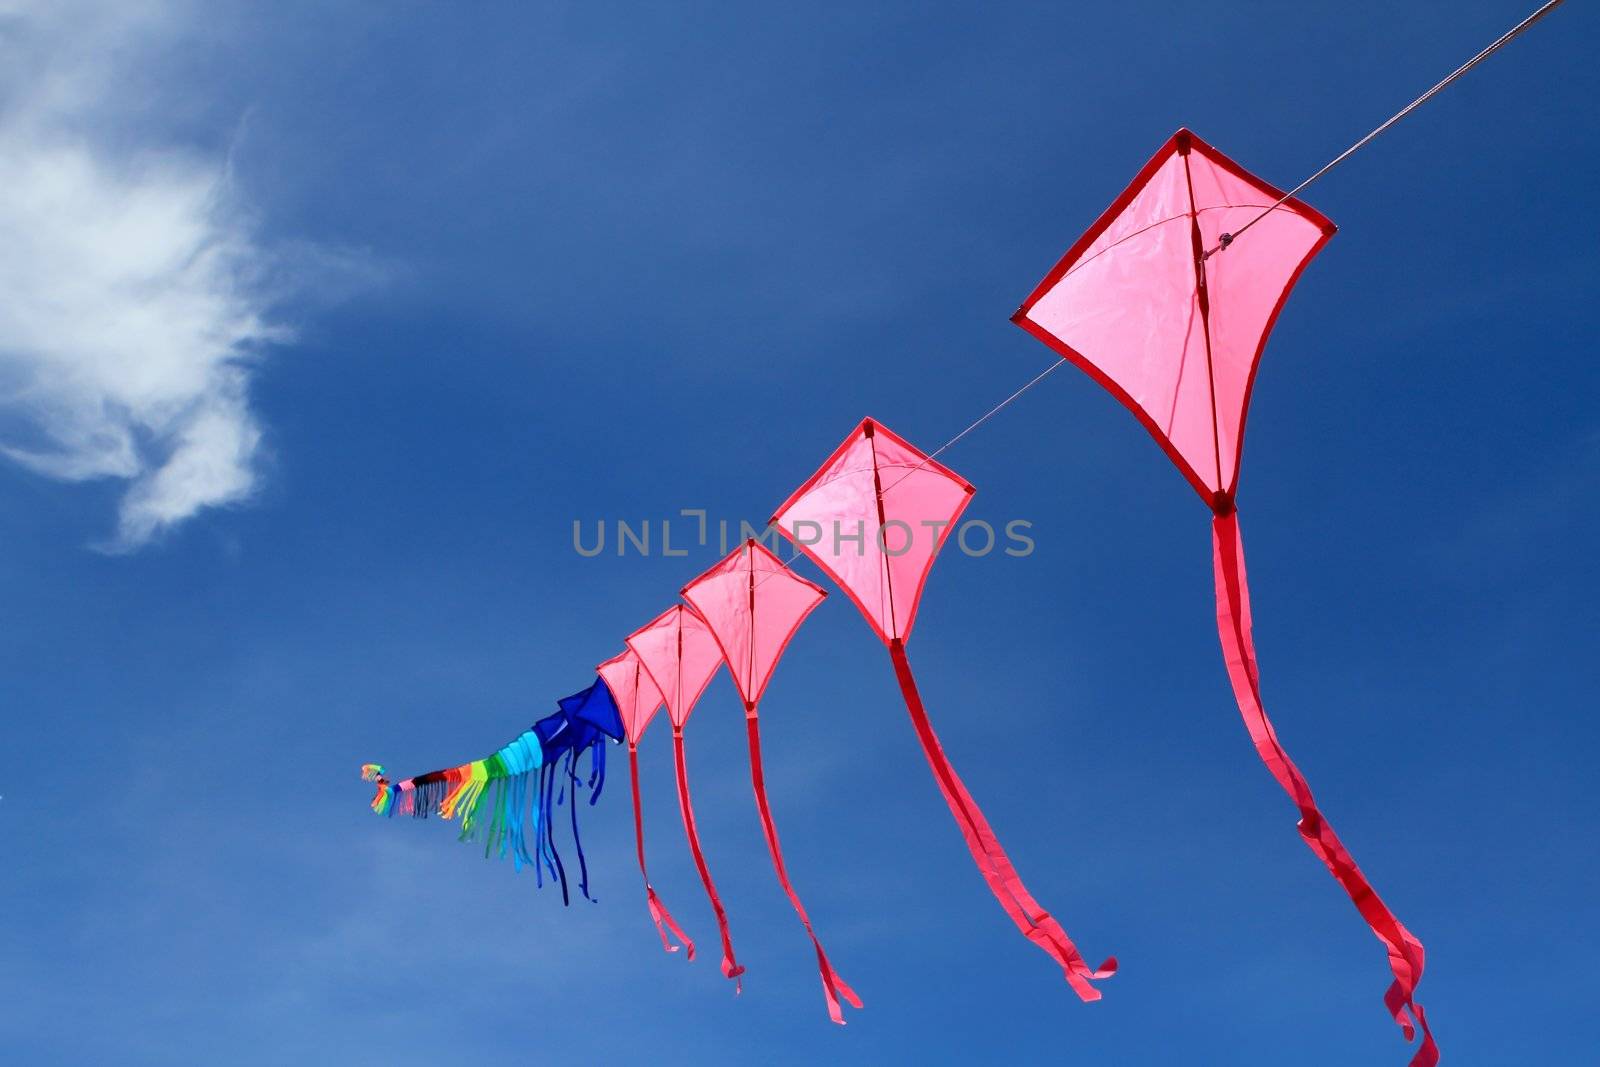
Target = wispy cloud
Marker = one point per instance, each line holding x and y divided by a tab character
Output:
134	294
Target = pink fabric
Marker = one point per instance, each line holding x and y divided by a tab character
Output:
1233	625
658	911
730	965
1154	306
1036	924
638	700
634	691
874	517
754	605
1174	337
875	478
680	656
833	984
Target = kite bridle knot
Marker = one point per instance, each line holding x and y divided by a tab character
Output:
1222	242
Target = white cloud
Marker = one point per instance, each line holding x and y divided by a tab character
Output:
133	293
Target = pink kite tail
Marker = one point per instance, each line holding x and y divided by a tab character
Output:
658	911
833	985
1035	923
730	967
1233	624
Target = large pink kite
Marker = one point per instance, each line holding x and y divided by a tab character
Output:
1161	305
638	700
874	517
681	657
753	605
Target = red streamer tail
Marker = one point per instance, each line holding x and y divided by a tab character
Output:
658	911
1233	624
833	985
1034	922
730	966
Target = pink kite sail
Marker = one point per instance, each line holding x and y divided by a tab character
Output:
681	656
1161	305
638	700
753	605
874	517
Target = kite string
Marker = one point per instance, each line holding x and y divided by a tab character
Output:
991	413
1505	39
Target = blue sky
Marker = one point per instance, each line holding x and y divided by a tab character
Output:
330	323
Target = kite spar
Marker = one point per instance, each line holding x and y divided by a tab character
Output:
753	605
681	657
1175	333
851	501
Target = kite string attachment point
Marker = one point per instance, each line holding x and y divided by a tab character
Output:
1222	243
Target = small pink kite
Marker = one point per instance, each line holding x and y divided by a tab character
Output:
1159	303
681	656
638	700
873	517
753	605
